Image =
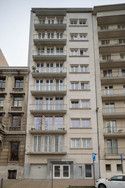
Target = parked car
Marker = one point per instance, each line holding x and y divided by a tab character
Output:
117	181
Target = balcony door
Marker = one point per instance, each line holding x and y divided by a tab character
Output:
59	85
49	85
39	103
112	146
49	103
110	107
39	85
111	126
59	103
108	90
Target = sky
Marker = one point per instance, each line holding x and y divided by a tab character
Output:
15	24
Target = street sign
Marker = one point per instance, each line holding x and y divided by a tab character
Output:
94	156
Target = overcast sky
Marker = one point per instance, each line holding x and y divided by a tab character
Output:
15	21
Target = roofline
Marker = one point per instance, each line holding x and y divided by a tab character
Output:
111	7
72	10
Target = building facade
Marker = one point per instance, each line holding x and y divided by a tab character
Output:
111	40
62	110
13	112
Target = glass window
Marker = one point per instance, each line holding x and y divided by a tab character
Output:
87	142
48	123
57	171
65	171
19	83
61	171
73	21
74	68
74	85
75	123
119	167
88	170
1	101
75	104
37	123
59	122
17	101
16	121
2	83
108	167
85	104
37	143
75	143
14	151
85	123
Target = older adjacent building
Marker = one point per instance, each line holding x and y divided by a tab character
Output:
61	119
13	113
111	39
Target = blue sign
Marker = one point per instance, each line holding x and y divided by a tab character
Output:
94	156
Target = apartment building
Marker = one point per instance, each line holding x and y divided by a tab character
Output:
111	39
13	113
62	109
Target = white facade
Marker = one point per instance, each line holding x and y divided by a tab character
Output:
62	121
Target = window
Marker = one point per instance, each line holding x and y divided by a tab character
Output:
84	86
121	41
17	101
2	83
75	123
59	50
80	123
48	123
60	20
87	143
111	126
37	123
59	35
79	143
12	174
88	170
119	167
123	72
122	55
19	83
85	103
106	57
74	36
14	151
104	27
74	68
61	171
84	68
37	143
121	26
75	104
73	21
16	121
50	50
74	85
108	167
107	73
82	21
1	101
104	42
59	122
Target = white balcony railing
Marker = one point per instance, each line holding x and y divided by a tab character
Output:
113	92
113	110
51	70
48	107
114	130
51	87
54	53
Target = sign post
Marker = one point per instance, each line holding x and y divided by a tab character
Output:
94	159
121	157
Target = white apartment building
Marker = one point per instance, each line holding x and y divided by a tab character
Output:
111	114
62	106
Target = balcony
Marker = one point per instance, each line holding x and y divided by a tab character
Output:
113	94
113	78
114	112
45	89
2	111
59	131
39	56
112	49
114	153
112	62
2	90
17	91
48	109
114	132
38	40
39	24
16	110
45	72
111	33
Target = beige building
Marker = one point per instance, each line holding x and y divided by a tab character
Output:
111	116
61	118
13	111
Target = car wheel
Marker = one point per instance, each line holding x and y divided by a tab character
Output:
101	186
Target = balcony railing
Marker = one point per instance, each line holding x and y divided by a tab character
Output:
55	37
50	70
55	53
17	89
113	74
42	130
49	107
113	92
112	58
46	21
114	132
17	128
114	151
49	88
16	108
111	110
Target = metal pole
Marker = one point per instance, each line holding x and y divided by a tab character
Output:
94	172
52	176
122	162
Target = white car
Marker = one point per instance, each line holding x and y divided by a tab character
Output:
117	181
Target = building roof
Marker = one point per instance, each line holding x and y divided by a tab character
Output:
3	62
